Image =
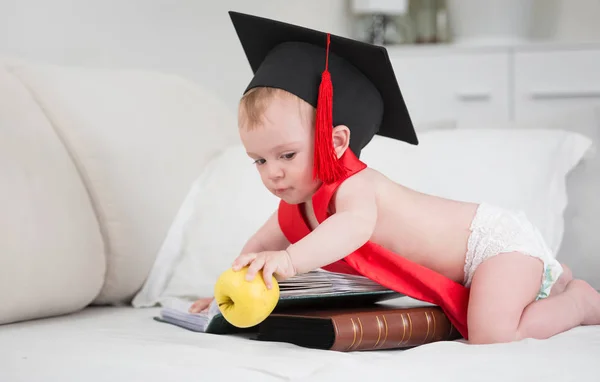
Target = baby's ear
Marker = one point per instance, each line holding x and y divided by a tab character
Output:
341	139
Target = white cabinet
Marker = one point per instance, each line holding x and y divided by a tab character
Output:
454	85
554	81
487	84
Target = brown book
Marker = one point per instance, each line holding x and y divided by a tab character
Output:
358	329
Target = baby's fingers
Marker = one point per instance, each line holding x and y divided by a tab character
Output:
243	260
254	267
268	271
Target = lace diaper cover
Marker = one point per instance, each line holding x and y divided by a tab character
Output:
496	230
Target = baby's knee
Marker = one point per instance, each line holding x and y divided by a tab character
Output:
492	336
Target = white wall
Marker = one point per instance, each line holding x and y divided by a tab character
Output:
194	38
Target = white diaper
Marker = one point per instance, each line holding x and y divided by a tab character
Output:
496	230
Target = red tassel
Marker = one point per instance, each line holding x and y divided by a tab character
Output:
327	167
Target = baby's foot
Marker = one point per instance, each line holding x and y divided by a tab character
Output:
589	299
563	280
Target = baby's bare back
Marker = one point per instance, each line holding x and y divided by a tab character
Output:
429	230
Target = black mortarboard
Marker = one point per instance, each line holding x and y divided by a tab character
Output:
366	96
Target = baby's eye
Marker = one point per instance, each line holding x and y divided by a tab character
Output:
289	155
259	161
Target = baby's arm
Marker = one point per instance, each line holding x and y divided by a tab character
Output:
269	237
349	228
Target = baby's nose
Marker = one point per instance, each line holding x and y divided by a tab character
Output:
275	172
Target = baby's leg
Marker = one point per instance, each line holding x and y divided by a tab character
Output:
502	306
564	279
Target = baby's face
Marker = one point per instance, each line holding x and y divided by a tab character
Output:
282	150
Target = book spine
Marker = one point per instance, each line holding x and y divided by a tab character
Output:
391	330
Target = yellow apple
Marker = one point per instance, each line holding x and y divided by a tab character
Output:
245	303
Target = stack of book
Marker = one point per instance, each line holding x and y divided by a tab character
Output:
325	310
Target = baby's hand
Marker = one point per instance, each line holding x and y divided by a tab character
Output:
278	263
200	305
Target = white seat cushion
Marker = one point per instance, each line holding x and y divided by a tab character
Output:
125	344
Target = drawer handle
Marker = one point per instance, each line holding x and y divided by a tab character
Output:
473	95
555	94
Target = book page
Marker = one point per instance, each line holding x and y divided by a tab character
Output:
176	311
324	282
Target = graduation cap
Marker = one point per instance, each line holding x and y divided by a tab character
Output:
349	83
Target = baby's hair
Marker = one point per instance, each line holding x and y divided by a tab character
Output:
254	103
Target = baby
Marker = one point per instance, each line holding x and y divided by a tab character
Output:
516	288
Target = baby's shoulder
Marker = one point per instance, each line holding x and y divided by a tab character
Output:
367	183
367	179
362	181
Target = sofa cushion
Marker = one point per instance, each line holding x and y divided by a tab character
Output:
51	251
139	139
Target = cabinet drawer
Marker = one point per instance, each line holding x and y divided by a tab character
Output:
464	87
548	82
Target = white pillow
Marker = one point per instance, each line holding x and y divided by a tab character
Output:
519	169
580	247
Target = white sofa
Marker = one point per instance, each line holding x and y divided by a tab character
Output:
94	166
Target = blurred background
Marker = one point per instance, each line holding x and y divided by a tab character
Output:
462	49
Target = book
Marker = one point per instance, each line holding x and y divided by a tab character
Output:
349	329
317	289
